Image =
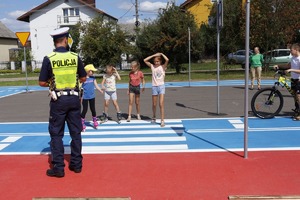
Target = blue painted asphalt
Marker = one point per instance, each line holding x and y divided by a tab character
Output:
187	135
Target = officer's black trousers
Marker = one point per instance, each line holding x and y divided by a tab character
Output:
65	109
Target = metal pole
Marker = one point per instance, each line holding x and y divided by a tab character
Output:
25	69
246	79
189	56
219	26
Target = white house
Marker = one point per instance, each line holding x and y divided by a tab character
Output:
54	14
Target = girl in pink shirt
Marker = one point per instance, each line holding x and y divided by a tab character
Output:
158	83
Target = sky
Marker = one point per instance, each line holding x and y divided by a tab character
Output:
123	10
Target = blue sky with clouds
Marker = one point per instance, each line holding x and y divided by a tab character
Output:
123	10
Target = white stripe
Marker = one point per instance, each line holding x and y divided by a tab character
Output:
134	139
238	125
235	121
103	127
98	149
159	151
2	146
241	130
11	139
134	132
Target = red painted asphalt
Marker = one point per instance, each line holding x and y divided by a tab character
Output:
171	176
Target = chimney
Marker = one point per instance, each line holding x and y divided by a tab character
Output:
91	2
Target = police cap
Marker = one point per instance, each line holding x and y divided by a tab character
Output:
60	33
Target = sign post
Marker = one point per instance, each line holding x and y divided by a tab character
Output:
23	37
219	27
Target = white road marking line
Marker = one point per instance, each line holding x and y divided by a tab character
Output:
237	123
133	132
11	139
97	149
2	146
134	139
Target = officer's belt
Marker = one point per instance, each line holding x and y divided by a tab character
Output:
67	93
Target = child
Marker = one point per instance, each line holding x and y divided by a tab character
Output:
136	77
158	83
256	62
294	68
89	94
109	85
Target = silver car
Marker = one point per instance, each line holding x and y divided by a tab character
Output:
277	56
238	57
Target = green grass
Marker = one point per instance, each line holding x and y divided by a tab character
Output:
199	71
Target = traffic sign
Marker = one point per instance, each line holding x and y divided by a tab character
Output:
70	41
23	37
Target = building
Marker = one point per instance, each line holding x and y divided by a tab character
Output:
53	14
8	41
199	8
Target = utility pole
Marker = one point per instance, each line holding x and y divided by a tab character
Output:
137	23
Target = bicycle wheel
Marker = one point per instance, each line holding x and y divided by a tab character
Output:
266	103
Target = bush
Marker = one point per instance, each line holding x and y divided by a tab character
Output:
8	71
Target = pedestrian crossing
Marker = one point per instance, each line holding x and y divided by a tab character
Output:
137	136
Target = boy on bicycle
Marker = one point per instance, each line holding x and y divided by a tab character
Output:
293	67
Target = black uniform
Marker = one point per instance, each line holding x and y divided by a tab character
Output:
65	109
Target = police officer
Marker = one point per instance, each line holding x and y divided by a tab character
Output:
62	71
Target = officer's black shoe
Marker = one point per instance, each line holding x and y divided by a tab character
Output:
76	170
52	173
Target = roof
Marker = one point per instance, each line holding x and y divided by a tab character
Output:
6	33
187	2
25	17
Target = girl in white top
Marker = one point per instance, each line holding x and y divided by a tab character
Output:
109	85
158	83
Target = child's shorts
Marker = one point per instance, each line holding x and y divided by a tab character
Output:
135	89
110	95
156	90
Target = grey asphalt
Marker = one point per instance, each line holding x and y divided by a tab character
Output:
180	103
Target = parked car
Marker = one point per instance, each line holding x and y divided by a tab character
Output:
277	56
238	57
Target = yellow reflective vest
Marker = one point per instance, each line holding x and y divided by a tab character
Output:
64	67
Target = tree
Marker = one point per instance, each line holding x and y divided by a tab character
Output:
230	37
169	34
273	23
102	42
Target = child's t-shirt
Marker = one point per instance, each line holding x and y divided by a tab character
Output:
89	88
295	64
158	75
135	78
110	82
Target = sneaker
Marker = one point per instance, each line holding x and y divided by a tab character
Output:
95	122
83	124
138	116
128	119
52	173
105	117
153	120
296	118
162	123
119	115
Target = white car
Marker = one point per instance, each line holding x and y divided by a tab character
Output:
277	56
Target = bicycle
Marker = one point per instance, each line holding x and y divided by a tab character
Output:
268	102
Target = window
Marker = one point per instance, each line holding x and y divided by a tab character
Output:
70	12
